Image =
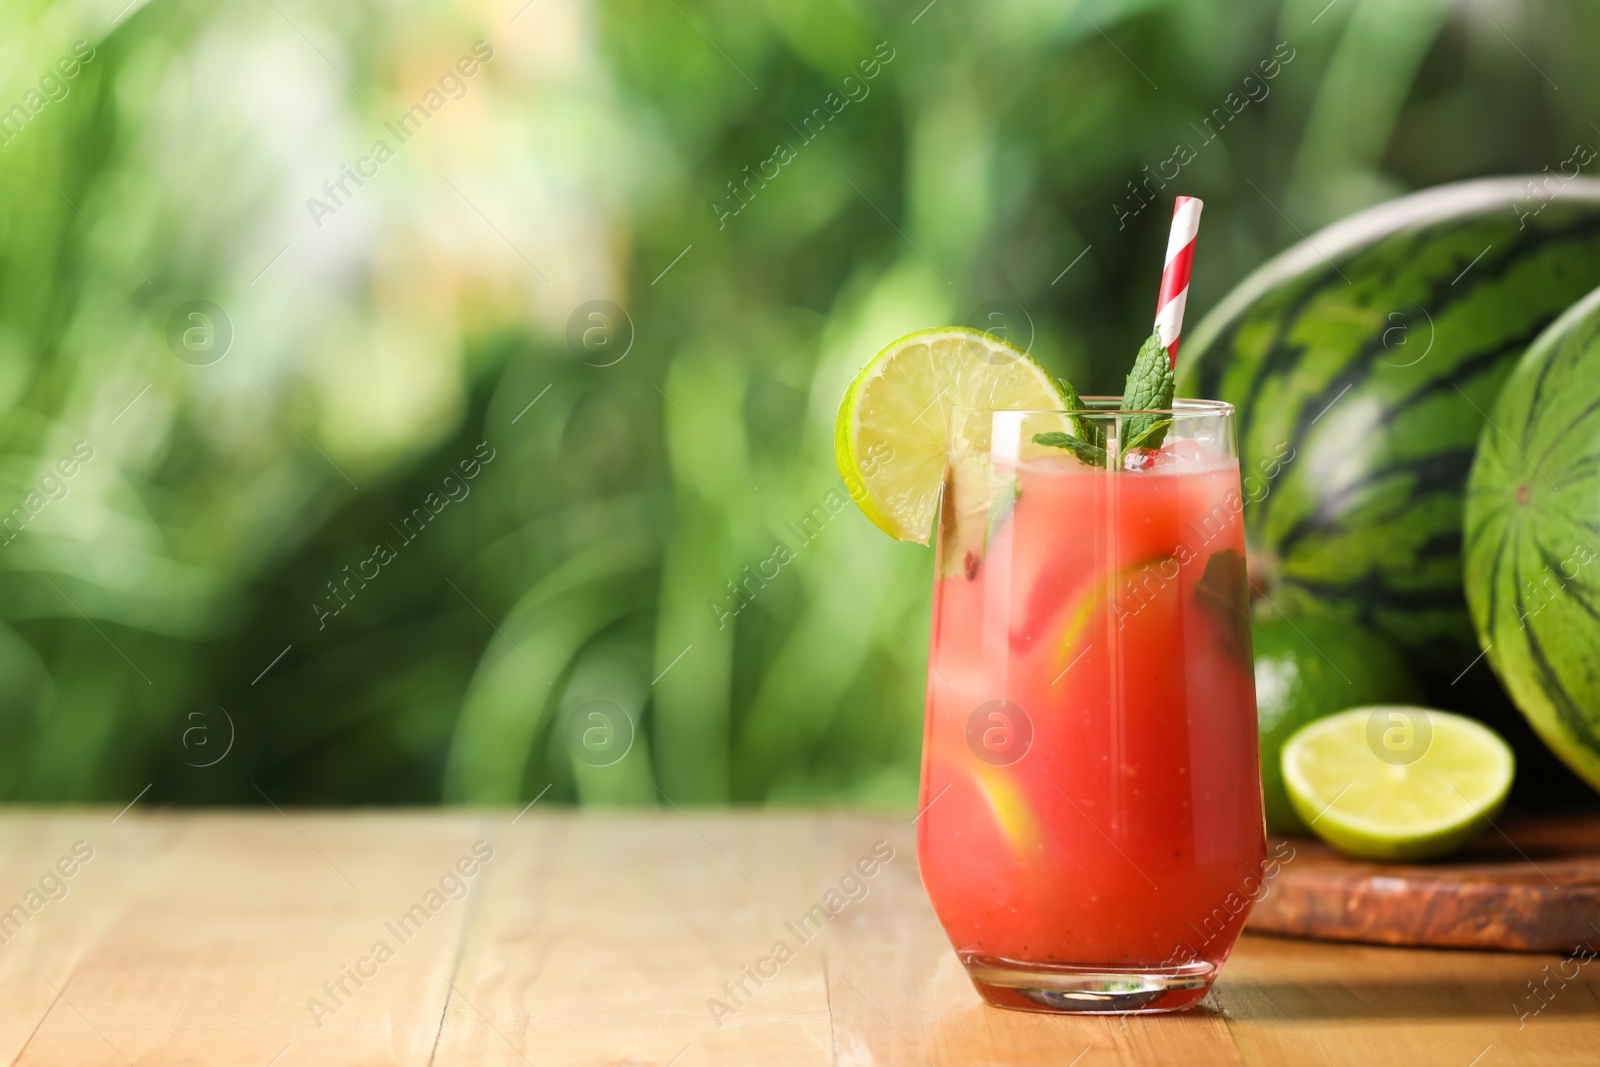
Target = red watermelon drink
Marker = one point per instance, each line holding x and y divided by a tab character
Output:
1091	831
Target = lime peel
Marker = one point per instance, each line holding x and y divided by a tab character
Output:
1396	808
895	433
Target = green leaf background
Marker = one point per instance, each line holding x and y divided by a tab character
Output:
164	610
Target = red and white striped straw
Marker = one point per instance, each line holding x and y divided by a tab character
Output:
1175	277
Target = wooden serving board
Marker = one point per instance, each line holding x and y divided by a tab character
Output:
1533	885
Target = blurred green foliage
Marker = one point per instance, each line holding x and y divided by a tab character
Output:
175	595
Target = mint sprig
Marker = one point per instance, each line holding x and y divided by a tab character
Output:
1087	430
1150	387
1088	439
1093	455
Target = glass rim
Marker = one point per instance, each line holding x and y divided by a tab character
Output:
1105	406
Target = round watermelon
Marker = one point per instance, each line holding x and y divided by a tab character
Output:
1362	362
1532	537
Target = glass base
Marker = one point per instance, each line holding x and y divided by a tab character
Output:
1062	988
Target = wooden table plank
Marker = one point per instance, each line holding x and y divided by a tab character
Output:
1355	1004
594	937
216	945
607	942
42	946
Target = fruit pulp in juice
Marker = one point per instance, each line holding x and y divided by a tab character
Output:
1090	791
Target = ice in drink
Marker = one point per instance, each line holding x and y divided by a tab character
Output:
1090	795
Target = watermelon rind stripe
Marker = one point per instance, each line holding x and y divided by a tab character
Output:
1366	525
1567	710
1570	428
1522	508
1363	228
1572	589
1437	472
1280	356
1494	578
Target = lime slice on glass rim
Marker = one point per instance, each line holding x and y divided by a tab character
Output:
893	440
1396	782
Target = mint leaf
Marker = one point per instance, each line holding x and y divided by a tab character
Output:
1093	455
1150	437
1150	386
1223	592
1087	430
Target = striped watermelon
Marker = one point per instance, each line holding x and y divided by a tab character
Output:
1361	362
1533	537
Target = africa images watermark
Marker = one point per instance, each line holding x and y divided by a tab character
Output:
809	526
784	153
411	526
1535	595
1546	188
853	888
53	486
1258	483
1229	911
52	887
1155	577
452	885
1255	90
452	86
196	738
1579	958
52	87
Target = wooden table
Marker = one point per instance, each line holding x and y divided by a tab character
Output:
600	938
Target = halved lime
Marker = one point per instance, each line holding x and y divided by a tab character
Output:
893	440
1396	782
1307	668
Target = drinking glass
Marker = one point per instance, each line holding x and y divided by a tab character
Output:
1090	827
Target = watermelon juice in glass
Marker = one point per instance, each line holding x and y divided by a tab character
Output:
1091	830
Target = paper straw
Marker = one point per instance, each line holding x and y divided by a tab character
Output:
1175	277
